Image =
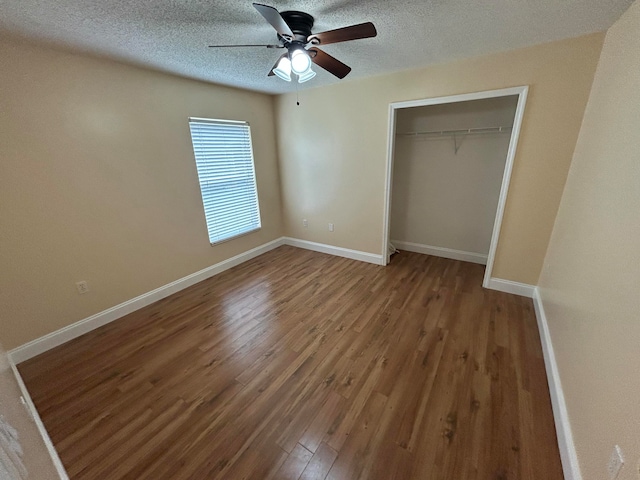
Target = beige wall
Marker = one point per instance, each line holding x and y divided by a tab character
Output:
98	183
447	198
591	281
333	147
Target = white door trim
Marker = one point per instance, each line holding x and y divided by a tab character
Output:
506	177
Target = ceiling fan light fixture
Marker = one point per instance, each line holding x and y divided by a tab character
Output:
300	61
283	70
308	75
295	33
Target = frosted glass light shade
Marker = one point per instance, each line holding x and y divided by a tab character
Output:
300	61
283	70
308	75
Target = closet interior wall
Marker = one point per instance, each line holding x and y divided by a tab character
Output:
446	186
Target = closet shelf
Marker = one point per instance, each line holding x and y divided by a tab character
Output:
466	131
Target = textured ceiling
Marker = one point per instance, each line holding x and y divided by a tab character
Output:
172	35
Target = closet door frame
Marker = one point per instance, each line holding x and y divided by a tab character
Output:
521	92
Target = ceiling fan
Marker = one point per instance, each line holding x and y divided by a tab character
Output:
294	34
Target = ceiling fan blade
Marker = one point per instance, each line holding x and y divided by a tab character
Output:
271	74
354	32
329	63
272	16
227	46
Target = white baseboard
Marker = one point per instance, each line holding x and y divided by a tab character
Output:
507	286
441	252
568	455
337	251
52	340
39	425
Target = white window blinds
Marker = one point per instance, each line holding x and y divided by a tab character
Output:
224	160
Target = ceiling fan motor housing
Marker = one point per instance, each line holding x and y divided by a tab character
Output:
300	23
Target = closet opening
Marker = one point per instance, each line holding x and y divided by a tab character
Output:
449	164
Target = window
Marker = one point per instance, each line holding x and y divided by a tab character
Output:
224	160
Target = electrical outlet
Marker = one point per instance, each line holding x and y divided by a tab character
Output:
615	463
331	227
305	224
82	287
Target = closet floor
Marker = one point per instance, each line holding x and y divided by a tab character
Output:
300	365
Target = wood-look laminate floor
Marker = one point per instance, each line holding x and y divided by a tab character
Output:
300	365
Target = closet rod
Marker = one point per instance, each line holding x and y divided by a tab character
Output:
466	131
